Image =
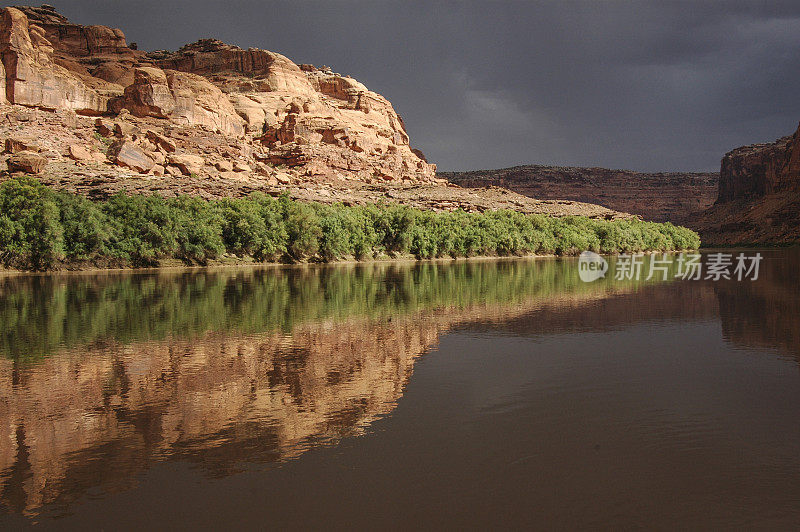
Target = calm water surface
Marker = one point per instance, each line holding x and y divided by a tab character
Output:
434	395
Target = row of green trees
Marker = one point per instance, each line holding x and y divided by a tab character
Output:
42	229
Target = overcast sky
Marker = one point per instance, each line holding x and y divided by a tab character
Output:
652	86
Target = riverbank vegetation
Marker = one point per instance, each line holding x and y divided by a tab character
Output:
43	229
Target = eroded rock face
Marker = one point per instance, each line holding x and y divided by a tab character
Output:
77	40
98	54
321	126
306	114
759	196
755	171
32	75
148	95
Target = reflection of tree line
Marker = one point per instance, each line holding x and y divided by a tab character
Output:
39	314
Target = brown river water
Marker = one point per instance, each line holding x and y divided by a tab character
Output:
435	395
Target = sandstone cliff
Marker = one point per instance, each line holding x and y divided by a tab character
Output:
658	197
759	196
89	113
267	110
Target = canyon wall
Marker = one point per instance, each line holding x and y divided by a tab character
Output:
759	196
755	171
656	197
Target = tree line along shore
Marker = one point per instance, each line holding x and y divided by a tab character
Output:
45	229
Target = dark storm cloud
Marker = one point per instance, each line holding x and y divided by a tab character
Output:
641	85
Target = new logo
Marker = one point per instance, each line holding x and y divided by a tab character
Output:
591	266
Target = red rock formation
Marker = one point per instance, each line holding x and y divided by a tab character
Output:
755	171
316	124
759	196
306	114
94	52
32	75
658	197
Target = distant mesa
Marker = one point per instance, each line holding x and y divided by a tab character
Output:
657	197
754	199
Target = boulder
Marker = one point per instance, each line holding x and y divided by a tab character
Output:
125	129
104	127
80	153
172	171
27	161
224	166
158	157
188	164
230	175
18	144
160	140
126	154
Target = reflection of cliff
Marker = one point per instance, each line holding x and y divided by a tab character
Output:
764	314
106	412
672	301
95	415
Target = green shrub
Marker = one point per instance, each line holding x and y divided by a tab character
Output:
302	228
31	234
142	229
40	228
198	229
253	227
86	229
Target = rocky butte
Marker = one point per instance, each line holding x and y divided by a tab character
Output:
759	196
89	113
